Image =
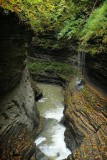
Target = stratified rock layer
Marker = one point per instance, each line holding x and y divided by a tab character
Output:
18	107
86	120
19	118
96	70
42	48
13	47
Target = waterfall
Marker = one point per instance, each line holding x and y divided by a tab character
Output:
79	66
80	70
83	62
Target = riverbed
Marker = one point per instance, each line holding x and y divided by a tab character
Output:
51	140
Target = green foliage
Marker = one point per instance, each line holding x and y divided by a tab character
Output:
71	28
96	25
41	15
94	34
88	26
56	67
83	21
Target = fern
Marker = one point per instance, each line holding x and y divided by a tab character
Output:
95	29
79	20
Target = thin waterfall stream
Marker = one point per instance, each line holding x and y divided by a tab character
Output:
51	140
83	63
80	70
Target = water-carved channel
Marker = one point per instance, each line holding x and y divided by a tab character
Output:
51	140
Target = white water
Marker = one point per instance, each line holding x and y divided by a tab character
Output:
81	64
51	139
81	69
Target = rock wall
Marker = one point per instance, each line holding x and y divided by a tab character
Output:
86	121
14	40
42	48
19	118
96	70
18	107
18	121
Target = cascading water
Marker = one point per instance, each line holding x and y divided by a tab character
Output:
83	63
81	69
79	66
50	141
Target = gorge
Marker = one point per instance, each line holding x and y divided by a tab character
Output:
45	113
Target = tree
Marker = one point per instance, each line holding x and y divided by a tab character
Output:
82	21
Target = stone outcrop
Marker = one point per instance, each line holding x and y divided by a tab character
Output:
18	106
86	121
96	70
86	110
19	118
14	39
42	48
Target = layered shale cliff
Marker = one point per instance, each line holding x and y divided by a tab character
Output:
86	109
86	120
96	70
85	112
18	114
47	47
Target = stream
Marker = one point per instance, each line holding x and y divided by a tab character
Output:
51	140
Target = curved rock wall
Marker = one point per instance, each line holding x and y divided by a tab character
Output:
96	68
14	78
18	114
13	47
44	49
18	107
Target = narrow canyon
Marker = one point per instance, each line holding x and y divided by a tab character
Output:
53	100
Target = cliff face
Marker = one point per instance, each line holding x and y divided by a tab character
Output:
18	114
96	68
86	110
12	51
18	106
86	121
86	113
42	48
18	117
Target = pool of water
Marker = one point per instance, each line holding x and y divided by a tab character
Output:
51	140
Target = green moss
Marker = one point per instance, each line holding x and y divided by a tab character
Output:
54	67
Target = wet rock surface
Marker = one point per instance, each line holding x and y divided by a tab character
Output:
19	147
18	118
49	78
85	115
85	112
14	40
43	47
86	120
19	106
96	70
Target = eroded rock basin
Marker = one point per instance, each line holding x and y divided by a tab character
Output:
51	140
